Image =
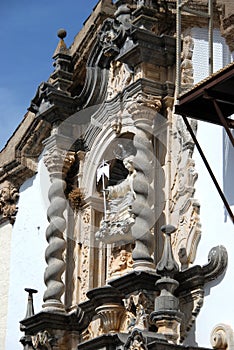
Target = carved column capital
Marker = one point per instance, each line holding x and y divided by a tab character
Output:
9	196
58	161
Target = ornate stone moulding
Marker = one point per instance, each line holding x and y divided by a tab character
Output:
183	291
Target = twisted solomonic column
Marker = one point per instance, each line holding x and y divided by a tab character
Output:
57	162
142	206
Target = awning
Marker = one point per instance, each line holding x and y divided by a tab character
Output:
211	100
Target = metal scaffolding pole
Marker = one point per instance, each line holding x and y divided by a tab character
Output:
210	38
178	48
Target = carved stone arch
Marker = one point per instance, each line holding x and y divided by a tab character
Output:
98	152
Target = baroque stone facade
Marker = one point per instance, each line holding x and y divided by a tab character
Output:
121	167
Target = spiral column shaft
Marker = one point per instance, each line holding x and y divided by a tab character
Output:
57	162
142	206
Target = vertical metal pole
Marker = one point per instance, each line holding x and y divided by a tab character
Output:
210	39
104	192
178	48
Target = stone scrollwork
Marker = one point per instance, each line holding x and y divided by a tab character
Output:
9	196
42	340
217	263
190	304
191	292
110	37
186	238
222	337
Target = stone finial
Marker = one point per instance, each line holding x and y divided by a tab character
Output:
61	78
30	307
62	47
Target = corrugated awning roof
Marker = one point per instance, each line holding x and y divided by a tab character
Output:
198	103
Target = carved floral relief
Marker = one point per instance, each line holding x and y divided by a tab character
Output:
9	196
120	77
84	254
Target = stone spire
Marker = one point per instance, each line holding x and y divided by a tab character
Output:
62	77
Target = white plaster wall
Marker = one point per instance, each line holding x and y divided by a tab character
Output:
27	253
5	246
218	304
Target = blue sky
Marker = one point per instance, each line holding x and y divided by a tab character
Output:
28	37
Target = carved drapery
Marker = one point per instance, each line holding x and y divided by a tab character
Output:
57	161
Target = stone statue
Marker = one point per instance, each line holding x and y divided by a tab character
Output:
119	218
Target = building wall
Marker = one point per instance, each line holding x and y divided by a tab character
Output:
5	244
215	231
27	262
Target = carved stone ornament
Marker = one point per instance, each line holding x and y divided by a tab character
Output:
84	251
120	77
9	196
184	209
222	337
187	63
136	341
120	261
42	340
139	307
111	35
191	292
186	238
58	161
119	219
